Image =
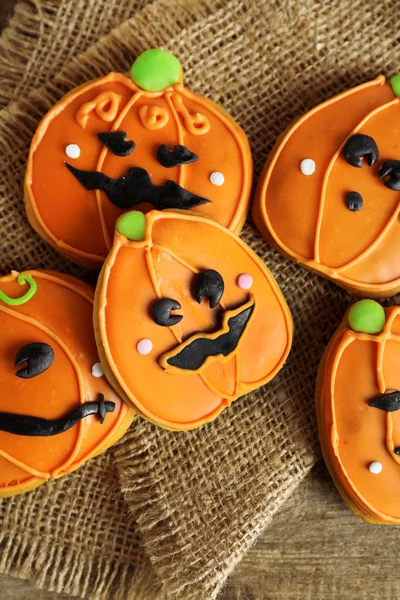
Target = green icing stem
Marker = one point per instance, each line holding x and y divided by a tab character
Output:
367	316
395	83
22	279
132	225
155	70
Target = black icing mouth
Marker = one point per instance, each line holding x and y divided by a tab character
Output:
194	354
38	427
136	187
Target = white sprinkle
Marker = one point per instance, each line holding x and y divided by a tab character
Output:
307	166
217	178
97	370
145	346
375	468
319	46
73	151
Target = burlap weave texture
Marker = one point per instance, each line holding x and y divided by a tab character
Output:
200	499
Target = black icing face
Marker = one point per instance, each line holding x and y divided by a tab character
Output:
38	358
136	187
193	353
362	149
389	402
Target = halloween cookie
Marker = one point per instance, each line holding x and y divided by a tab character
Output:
141	140
358	409
57	409
187	318
329	194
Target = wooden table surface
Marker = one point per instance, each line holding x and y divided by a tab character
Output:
315	549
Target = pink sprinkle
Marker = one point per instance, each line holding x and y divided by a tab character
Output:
145	346
245	281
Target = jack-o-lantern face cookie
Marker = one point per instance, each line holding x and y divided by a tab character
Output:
329	194
142	141
187	318
358	408
57	409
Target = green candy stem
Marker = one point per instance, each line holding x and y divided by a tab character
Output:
22	279
132	225
395	83
155	70
367	316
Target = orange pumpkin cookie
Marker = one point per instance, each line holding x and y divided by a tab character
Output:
358	409
187	318
142	141
57	409
329	194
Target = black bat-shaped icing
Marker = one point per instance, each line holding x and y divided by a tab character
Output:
38	427
388	402
179	155
195	354
38	358
136	187
116	142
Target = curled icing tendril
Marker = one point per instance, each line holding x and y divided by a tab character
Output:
22	279
106	106
196	123
153	116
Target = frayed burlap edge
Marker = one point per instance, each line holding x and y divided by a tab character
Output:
81	574
161	537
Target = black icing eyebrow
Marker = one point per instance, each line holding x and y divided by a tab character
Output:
116	142
209	284
38	358
360	146
179	155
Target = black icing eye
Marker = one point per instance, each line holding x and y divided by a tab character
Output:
360	146
161	312
354	201
387	402
209	284
179	155
391	169
116	142
38	358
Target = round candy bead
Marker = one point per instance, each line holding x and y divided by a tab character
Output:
73	151
217	178
97	370
375	468
307	166
245	281
145	346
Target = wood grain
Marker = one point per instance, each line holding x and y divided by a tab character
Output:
315	549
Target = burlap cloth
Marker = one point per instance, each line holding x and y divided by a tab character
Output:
192	503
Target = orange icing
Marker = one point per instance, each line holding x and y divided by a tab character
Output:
106	105
177	246
359	368
306	216
79	222
59	314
